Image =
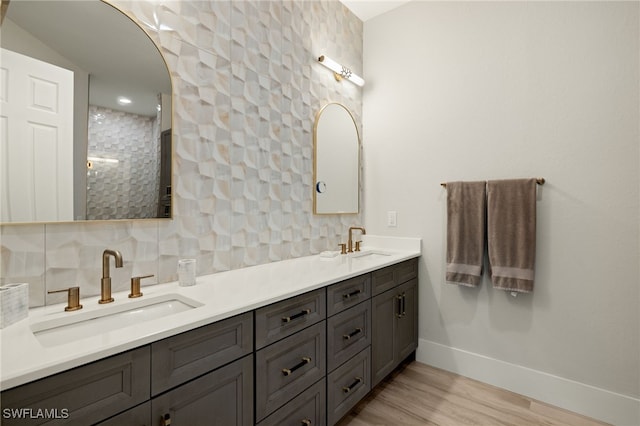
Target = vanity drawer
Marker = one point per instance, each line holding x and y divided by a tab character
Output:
86	394
405	271
345	294
221	397
387	278
347	385
286	368
382	280
308	408
282	319
348	333
180	358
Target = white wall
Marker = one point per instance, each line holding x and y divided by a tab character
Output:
478	90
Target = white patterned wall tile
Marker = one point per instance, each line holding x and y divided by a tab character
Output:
22	259
246	88
74	255
119	190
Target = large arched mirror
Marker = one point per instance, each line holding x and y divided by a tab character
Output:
336	167
86	115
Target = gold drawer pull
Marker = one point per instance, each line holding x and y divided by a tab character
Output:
350	295
165	420
353	333
298	315
305	360
306	422
347	389
399	306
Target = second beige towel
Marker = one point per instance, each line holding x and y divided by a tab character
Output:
465	232
511	233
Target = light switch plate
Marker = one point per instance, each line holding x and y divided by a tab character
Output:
392	219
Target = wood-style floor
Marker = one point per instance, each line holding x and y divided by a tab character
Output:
417	394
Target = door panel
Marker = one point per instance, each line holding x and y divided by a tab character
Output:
37	140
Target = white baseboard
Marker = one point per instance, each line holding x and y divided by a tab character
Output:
578	397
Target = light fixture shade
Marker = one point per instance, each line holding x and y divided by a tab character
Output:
340	71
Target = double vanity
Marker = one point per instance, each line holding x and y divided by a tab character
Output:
295	342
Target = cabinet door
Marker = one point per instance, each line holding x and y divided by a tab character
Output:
384	308
223	397
406	323
86	394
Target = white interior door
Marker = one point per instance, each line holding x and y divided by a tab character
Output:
36	131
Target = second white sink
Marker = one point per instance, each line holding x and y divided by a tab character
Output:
368	254
80	325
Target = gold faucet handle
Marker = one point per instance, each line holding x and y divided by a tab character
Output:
73	298
358	245
343	248
135	286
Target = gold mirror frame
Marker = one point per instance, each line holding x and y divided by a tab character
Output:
163	208
336	161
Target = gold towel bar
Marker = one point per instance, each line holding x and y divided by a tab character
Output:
539	181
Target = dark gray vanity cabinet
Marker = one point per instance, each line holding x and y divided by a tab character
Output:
223	397
282	319
348	345
394	311
205	374
178	359
348	293
219	357
306	360
347	385
83	395
291	341
308	408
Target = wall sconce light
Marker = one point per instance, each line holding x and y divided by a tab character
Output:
340	71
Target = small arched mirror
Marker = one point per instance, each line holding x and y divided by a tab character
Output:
336	167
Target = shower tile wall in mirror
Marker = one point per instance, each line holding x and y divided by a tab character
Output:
246	91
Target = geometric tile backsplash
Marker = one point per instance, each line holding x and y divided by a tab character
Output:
246	88
130	187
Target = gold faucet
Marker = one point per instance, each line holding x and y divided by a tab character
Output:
105	282
350	242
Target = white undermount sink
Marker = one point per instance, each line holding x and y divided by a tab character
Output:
368	254
63	329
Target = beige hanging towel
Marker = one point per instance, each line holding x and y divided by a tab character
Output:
511	233
465	232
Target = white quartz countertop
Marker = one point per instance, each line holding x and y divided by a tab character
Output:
221	295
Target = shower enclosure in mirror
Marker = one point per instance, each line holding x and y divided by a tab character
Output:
336	167
85	115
